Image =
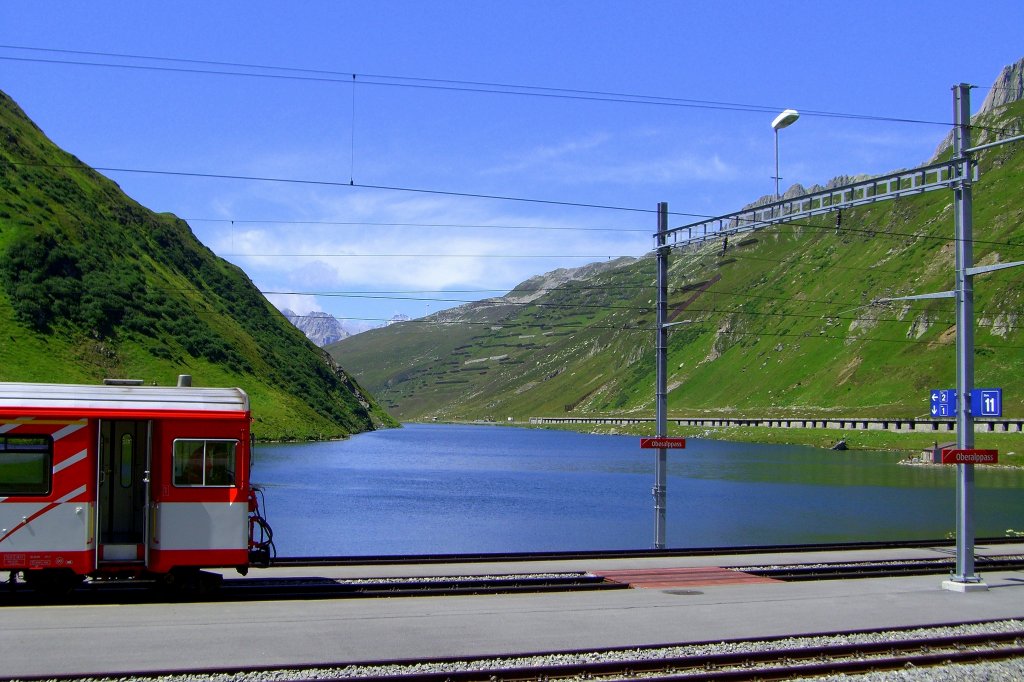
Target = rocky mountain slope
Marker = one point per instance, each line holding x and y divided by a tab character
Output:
1007	89
322	329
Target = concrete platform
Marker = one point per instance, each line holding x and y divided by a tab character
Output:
61	640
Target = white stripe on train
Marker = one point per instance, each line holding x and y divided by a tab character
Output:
73	459
68	430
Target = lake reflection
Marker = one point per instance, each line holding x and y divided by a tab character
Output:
444	489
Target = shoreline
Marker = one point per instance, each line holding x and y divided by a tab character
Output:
1008	444
1011	452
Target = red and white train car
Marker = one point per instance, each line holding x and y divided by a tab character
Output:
124	480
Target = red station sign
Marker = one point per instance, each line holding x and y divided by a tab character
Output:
969	456
666	443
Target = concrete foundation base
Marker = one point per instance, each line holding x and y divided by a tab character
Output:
957	586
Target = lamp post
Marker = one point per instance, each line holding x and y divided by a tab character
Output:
783	120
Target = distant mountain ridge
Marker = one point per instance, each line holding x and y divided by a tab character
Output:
321	328
527	291
1007	89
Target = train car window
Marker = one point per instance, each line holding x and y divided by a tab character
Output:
26	463
126	460
188	462
220	463
209	463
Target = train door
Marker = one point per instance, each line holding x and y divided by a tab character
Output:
124	464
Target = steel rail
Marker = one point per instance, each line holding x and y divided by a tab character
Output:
504	557
891	569
785	662
241	589
406	587
279	589
779	664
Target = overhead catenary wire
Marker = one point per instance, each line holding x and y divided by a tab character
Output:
490	87
571	287
700	311
325	76
420	190
825	316
365	223
763	259
510	256
874	232
631	327
288	72
578	287
777	228
330	183
647	329
334	183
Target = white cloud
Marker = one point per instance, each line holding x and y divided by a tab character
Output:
297	303
358	242
602	158
419	256
668	170
546	155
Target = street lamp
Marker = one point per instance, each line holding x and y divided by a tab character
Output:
783	120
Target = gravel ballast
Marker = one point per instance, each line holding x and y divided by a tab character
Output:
1007	670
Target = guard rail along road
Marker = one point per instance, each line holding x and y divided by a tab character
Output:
847	423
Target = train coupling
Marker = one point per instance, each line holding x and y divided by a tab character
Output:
261	536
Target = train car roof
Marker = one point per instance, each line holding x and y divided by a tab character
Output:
97	397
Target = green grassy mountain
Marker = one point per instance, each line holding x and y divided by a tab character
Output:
780	323
93	285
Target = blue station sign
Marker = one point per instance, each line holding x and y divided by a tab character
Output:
985	402
943	402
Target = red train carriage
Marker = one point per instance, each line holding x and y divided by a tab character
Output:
124	480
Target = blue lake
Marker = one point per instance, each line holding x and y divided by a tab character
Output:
426	489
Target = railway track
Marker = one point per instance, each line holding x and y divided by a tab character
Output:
777	664
735	660
279	589
879	569
505	557
327	588
213	588
264	589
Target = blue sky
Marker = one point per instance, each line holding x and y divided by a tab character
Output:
364	254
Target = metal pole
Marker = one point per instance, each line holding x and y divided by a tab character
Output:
964	235
661	390
776	164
